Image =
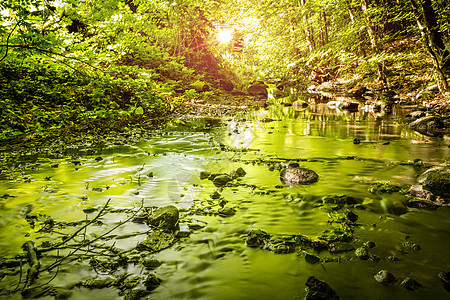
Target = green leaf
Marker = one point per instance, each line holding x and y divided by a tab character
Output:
139	111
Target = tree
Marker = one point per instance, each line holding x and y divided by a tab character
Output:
432	39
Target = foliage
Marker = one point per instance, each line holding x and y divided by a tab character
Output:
108	64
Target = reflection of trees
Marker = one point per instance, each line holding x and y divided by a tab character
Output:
321	120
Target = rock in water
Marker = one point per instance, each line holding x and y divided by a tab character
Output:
430	125
384	277
437	180
221	180
410	284
318	290
297	176
165	218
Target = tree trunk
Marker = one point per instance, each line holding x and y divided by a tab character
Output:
371	32
325	28
309	31
432	40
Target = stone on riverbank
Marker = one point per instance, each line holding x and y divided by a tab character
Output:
257	88
430	125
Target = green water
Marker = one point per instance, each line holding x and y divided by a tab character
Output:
214	261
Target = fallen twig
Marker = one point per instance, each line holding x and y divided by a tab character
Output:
33	271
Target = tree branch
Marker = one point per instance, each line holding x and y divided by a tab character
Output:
7	40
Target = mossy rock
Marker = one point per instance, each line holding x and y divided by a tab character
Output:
298	176
437	180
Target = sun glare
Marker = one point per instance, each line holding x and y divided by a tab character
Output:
224	35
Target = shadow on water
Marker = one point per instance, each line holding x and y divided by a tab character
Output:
214	262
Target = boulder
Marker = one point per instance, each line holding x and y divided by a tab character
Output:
430	125
257	88
226	85
296	176
437	180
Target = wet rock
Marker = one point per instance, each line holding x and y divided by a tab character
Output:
351	216
240	172
412	246
221	180
151	263
339	247
311	258
363	253
156	241
226	212
418	191
383	188
215	195
384	277
444	276
165	218
318	290
396	208
420	203
430	125
136	294
297	176
257	88
340	200
410	284
204	174
369	244
437	180
257	238
152	282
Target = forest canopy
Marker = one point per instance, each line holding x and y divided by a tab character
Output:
94	65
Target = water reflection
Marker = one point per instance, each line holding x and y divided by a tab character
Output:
214	262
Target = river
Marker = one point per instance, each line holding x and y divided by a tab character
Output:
214	262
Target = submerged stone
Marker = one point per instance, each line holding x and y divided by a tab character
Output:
298	176
156	241
318	290
338	247
410	284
